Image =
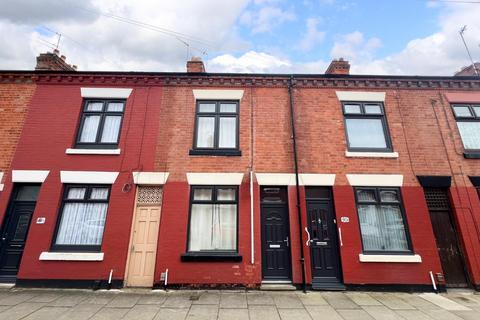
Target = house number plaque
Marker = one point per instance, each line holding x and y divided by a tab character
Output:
345	219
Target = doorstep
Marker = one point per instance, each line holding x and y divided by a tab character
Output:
277	286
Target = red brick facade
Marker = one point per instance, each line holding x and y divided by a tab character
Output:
157	135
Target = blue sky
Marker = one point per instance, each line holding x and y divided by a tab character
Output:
413	37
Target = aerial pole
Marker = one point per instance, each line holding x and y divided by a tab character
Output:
462	31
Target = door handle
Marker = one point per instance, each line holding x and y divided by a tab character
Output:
288	242
308	237
340	236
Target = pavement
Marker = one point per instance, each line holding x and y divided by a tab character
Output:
40	304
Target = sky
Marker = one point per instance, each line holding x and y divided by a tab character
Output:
392	37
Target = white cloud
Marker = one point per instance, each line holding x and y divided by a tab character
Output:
266	18
312	36
249	62
353	46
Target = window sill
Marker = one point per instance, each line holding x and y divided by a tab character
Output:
403	258
471	154
211	257
351	154
71	256
93	151
228	153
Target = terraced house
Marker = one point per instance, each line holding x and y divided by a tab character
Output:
330	181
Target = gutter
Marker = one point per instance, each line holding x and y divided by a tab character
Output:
297	182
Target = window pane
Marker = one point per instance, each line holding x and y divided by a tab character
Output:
388	196
111	127
228	133
372	109
205	132
99	194
382	228
228	107
202	194
206	107
82	224
352	108
89	129
94	106
115	107
366	133
201	227
76	193
462	111
476	109
225	227
366	195
226	194
470	133
27	193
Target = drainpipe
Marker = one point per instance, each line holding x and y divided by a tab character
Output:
297	183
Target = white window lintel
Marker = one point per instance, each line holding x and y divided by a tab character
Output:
34	176
288	179
375	180
106	177
215	94
150	178
111	93
415	258
361	96
71	256
204	178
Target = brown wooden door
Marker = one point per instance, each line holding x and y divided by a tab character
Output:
446	237
143	248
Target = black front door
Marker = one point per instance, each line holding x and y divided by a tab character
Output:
15	229
446	237
276	264
325	261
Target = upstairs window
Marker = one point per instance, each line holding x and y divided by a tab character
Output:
366	127
468	123
216	128
100	124
382	221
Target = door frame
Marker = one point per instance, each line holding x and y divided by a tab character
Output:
132	227
331	203
8	216
277	205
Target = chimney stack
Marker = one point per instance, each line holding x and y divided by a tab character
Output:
339	66
52	61
195	65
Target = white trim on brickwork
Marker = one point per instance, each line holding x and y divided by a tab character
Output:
375	180
362	96
218	94
350	154
1	184
71	256
36	176
93	151
231	178
106	177
288	179
317	179
150	178
111	93
390	258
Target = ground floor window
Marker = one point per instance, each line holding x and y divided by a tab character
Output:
213	219
382	221
82	218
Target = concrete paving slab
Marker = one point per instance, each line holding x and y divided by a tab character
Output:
123	301
21	310
142	312
175	300
259	298
440	314
203	312
208	298
392	301
3	308
100	298
152	298
443	302
312	298
412	315
286	300
354	314
414	300
381	313
468	315
45	296
68	299
171	314
81	312
14	298
47	313
339	300
323	313
232	314
363	299
233	300
262	312
294	314
109	314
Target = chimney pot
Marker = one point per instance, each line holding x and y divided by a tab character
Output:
338	66
63	57
56	51
195	65
53	62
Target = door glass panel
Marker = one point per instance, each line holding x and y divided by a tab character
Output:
22	227
272	194
317	193
27	193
